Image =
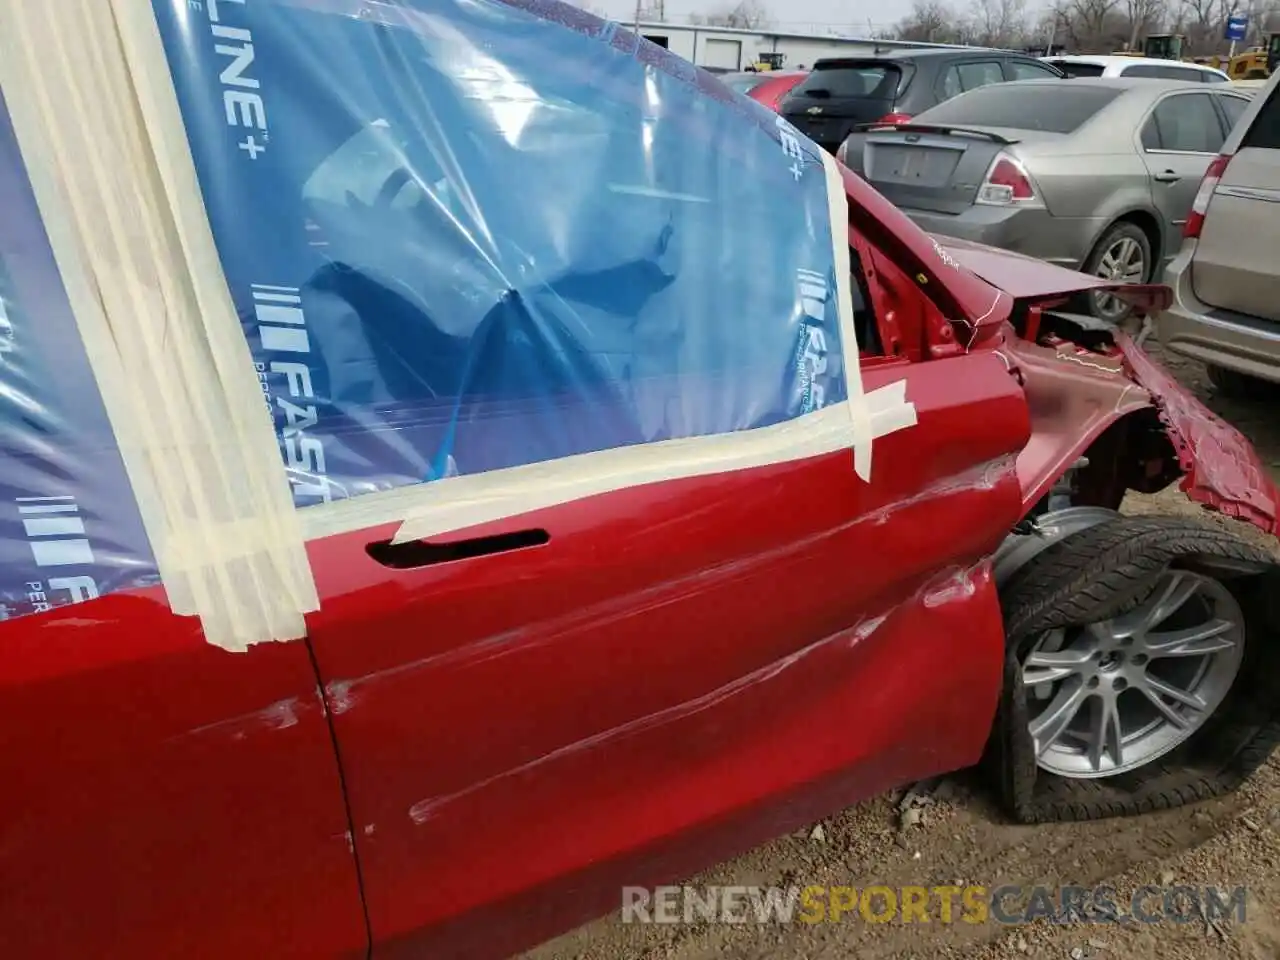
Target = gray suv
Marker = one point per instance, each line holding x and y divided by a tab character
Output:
1226	277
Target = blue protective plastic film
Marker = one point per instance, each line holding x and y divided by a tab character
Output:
464	235
71	528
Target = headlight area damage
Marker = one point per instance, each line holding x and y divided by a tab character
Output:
1139	651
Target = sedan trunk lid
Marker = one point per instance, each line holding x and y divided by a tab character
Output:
927	167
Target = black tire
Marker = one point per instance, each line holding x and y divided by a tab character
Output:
1100	573
1115	233
1239	386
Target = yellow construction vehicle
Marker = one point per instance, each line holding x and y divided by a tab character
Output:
1160	46
768	61
1164	46
1256	63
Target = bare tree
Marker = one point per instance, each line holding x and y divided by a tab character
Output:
1143	15
1088	21
930	21
746	14
998	23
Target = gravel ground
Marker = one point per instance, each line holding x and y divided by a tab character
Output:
960	838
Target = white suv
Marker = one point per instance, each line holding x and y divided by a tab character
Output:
1113	66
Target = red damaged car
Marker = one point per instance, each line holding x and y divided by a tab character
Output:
768	88
429	507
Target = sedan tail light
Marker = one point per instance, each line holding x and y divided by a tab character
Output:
895	118
1200	206
1007	183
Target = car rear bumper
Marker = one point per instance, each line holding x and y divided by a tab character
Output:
1224	338
1064	241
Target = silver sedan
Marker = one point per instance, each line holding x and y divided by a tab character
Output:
1094	174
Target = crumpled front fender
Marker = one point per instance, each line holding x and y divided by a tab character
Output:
1220	468
1076	395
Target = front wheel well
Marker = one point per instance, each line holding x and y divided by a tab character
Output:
1133	453
1150	226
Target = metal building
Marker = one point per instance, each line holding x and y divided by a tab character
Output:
730	48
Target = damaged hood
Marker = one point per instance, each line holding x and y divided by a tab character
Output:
1030	280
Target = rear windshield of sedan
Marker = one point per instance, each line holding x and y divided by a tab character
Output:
1045	106
849	79
1078	69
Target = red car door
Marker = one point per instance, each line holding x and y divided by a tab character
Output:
648	681
161	797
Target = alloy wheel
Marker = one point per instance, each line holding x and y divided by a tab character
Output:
1112	696
1123	262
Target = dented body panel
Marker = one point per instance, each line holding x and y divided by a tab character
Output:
681	672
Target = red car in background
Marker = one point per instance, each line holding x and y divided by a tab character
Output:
479	736
768	87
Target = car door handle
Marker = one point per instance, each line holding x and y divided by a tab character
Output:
1167	177
424	553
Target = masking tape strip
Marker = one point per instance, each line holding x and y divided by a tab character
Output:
97	119
454	503
838	203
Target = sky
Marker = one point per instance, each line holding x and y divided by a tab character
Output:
803	16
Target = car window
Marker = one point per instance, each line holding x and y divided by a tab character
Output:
1234	108
410	321
68	518
1264	133
950	86
1187	123
864	318
851	78
974	75
1051	107
1072	69
1162	72
1150	134
1029	70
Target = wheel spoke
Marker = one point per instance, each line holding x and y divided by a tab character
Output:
1169	599
1044	666
1055	718
1104	732
1208	637
1166	709
1154	685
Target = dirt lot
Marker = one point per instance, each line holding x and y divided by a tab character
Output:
960	838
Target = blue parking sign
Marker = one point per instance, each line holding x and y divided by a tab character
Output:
1237	27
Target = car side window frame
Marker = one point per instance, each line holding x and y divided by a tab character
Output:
1009	63
980	62
1219	104
939	84
866	317
1151	118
